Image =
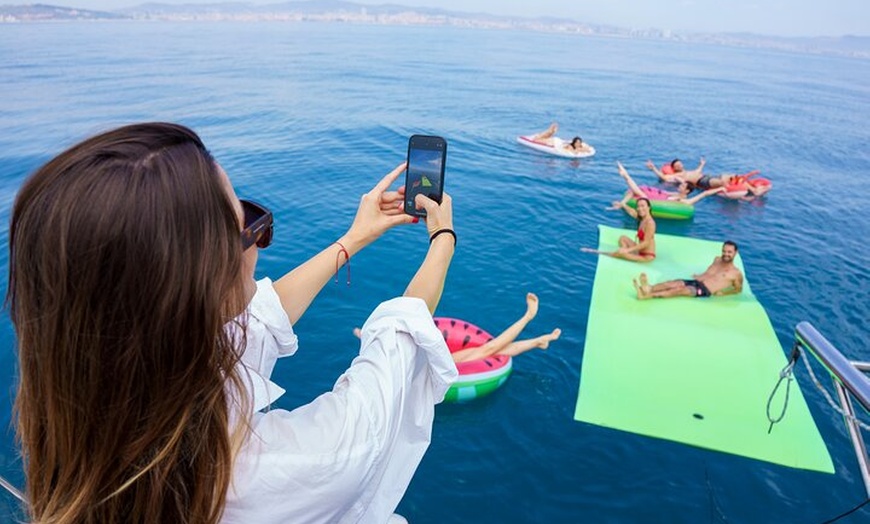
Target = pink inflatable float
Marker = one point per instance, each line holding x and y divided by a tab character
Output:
476	377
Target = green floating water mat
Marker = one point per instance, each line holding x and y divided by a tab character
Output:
692	370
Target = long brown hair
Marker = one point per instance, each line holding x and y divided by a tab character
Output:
125	266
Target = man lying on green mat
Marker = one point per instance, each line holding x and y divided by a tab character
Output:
721	278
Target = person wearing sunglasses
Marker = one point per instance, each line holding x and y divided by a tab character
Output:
145	347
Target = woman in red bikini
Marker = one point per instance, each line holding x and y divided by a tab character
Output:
643	249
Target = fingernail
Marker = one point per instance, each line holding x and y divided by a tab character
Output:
416	219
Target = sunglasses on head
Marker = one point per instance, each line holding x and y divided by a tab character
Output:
258	225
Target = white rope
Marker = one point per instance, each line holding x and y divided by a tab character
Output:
827	395
784	374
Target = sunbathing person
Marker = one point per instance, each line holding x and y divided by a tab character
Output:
506	343
548	137
678	171
644	248
720	279
654	193
577	146
754	188
696	179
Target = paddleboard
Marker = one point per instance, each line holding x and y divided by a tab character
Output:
556	149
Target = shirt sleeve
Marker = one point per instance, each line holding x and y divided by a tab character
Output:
349	455
269	334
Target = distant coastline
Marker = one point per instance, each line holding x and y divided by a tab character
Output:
337	11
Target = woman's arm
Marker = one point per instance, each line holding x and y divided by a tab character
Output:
379	210
428	282
625	207
619	203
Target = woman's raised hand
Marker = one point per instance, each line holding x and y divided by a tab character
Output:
379	210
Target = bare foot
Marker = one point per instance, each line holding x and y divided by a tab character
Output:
531	305
543	341
644	290
637	288
590	250
543	135
644	281
357	332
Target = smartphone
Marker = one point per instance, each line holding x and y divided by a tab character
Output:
424	173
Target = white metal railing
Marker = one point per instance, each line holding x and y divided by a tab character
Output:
849	381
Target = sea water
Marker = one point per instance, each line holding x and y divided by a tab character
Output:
305	118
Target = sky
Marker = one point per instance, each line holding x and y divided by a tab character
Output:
768	17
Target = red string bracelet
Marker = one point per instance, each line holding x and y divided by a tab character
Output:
338	261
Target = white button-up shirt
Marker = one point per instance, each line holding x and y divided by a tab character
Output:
349	455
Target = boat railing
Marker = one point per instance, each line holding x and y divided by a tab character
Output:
850	382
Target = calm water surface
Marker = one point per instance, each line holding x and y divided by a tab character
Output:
307	117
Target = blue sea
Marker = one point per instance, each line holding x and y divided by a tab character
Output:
307	117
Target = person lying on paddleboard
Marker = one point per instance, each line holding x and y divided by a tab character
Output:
720	279
548	137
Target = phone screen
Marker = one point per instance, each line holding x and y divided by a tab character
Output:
425	171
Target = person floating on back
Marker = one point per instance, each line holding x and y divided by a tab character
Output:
721	278
654	193
506	342
696	179
677	172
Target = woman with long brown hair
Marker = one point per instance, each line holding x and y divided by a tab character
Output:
145	347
